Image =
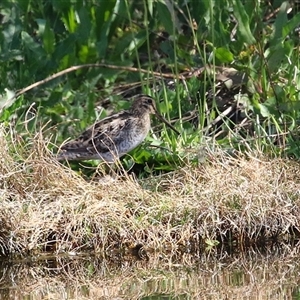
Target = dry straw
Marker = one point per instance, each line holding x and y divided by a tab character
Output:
46	206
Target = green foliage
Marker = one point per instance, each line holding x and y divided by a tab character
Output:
38	39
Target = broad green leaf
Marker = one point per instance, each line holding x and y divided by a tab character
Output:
83	53
264	111
54	98
150	7
103	13
280	22
243	22
141	156
166	18
277	54
84	26
49	39
291	25
70	19
224	55
32	45
24	5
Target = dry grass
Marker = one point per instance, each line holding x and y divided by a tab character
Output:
48	207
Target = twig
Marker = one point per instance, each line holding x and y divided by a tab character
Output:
75	68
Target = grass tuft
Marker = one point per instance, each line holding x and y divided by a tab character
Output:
237	200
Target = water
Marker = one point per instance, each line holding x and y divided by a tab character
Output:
253	274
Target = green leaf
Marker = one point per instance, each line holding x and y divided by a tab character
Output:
103	17
47	35
141	156
150	7
279	23
165	167
54	98
85	25
264	111
275	57
70	20
291	25
224	55
32	45
49	39
165	17
243	22
24	5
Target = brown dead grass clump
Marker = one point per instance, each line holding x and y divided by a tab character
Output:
48	207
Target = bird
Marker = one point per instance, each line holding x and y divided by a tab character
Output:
114	136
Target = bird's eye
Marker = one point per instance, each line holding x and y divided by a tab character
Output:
149	100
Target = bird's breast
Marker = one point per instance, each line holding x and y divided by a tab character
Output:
134	136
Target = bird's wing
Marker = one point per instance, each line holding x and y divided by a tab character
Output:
102	136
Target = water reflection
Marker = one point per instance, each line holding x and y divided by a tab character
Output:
269	274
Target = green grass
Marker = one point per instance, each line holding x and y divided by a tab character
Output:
240	91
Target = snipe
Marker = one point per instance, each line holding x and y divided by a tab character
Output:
114	136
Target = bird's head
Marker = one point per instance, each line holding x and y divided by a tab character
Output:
145	104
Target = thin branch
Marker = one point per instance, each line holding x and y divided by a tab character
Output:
75	68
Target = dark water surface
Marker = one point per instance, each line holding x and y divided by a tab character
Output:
272	273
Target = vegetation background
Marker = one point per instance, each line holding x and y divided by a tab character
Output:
225	72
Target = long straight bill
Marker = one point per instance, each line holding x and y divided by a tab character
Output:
167	123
